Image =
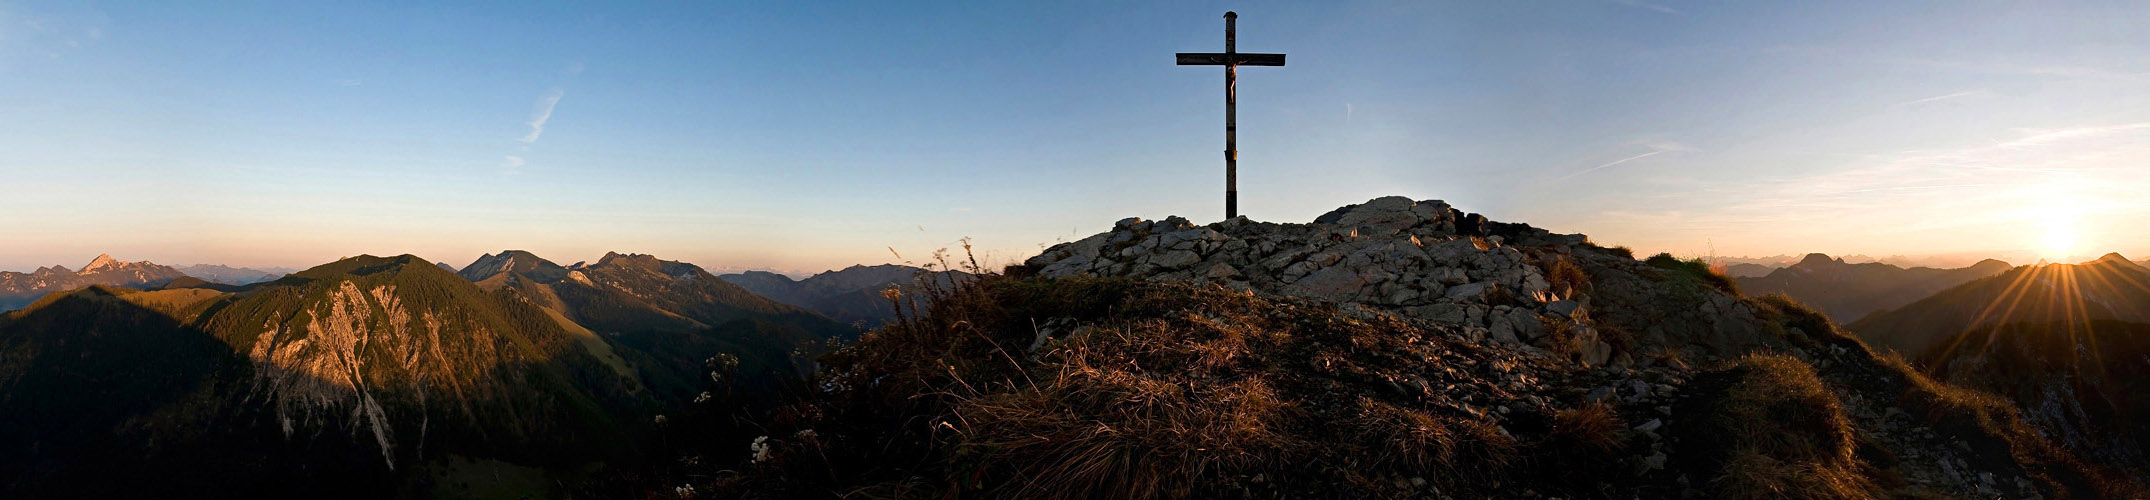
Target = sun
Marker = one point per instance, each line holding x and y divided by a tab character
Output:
2059	234
2060	241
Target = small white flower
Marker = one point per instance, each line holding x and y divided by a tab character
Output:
760	449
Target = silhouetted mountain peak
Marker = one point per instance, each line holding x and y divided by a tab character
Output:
1817	259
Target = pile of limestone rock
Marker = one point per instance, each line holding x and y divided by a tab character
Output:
1420	259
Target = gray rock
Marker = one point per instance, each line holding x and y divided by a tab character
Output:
1445	313
1335	283
1563	308
1527	325
1502	330
1466	292
1176	259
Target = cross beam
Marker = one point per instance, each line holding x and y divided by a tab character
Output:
1231	59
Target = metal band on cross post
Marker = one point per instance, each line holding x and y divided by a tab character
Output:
1231	59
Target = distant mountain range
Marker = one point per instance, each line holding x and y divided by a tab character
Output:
1755	267
2110	288
374	376
20	289
851	295
233	275
1848	291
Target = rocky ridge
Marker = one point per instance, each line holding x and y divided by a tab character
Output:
1508	283
1635	335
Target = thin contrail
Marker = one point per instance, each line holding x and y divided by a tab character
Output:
1622	160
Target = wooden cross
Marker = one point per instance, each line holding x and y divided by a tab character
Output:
1231	59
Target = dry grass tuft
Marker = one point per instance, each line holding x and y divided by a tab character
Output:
1566	277
1142	390
1592	430
1777	431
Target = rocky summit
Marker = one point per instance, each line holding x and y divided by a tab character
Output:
1390	349
1508	283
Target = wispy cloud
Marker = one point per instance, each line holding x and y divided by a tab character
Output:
1639	4
350	82
2084	70
543	114
511	161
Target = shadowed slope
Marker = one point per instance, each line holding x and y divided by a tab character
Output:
2086	384
664	320
349	379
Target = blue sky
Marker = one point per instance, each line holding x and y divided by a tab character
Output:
802	136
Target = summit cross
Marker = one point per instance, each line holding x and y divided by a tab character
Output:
1231	59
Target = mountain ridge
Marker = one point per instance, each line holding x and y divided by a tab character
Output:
1849	291
851	295
20	289
377	364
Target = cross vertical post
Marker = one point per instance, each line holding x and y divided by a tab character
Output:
1231	115
1231	59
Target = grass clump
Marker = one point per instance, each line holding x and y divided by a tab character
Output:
1696	269
1102	388
1768	428
1566	278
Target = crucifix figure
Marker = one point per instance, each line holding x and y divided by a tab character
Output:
1231	59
